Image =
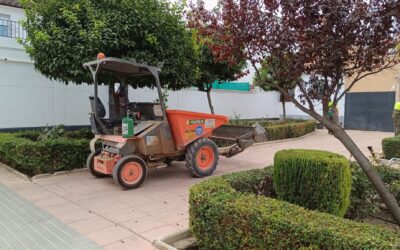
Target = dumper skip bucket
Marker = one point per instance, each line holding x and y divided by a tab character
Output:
188	126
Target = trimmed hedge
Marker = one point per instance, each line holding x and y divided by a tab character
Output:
24	152
391	147
314	179
223	218
277	130
290	130
257	181
365	200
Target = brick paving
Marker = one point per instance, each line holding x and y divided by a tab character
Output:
117	219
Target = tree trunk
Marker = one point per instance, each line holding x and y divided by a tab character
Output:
209	100
364	163
283	109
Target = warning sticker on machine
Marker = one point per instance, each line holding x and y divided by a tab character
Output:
190	134
124	128
195	121
210	123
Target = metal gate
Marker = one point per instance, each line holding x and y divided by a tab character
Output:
370	111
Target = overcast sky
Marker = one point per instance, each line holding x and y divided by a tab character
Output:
210	3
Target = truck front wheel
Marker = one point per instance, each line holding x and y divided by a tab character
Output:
202	157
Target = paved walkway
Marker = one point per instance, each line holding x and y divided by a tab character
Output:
117	219
25	226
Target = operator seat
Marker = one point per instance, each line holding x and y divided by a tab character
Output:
101	112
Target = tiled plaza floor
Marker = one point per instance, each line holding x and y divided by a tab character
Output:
117	219
25	226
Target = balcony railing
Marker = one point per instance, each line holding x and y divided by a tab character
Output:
11	29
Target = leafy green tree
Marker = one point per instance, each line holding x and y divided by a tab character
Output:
270	76
62	35
212	70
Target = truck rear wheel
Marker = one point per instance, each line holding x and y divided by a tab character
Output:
130	171
202	157
90	164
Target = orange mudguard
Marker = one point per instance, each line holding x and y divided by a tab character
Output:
187	127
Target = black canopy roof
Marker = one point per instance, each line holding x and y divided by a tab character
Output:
121	67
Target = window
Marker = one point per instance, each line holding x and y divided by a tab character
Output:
5	27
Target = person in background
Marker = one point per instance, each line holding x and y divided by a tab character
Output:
333	114
396	118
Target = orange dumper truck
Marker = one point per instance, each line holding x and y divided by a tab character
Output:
145	135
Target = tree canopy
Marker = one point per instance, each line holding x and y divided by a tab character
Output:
62	35
327	40
212	70
270	75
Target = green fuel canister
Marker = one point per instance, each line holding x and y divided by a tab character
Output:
127	127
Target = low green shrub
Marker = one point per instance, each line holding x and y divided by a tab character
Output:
257	181
31	153
223	218
391	147
314	179
275	129
278	130
364	199
29	134
8	143
83	133
290	130
49	156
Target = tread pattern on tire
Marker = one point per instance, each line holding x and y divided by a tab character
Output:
89	163
191	154
120	164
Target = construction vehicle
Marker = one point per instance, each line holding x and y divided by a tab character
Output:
142	135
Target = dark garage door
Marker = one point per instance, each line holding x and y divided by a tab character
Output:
369	111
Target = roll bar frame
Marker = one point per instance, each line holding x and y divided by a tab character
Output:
122	69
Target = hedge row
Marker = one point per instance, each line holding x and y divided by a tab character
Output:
256	181
391	147
365	200
224	218
290	130
24	152
279	130
313	179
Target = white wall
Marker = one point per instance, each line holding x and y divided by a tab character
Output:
230	103
27	99
16	14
